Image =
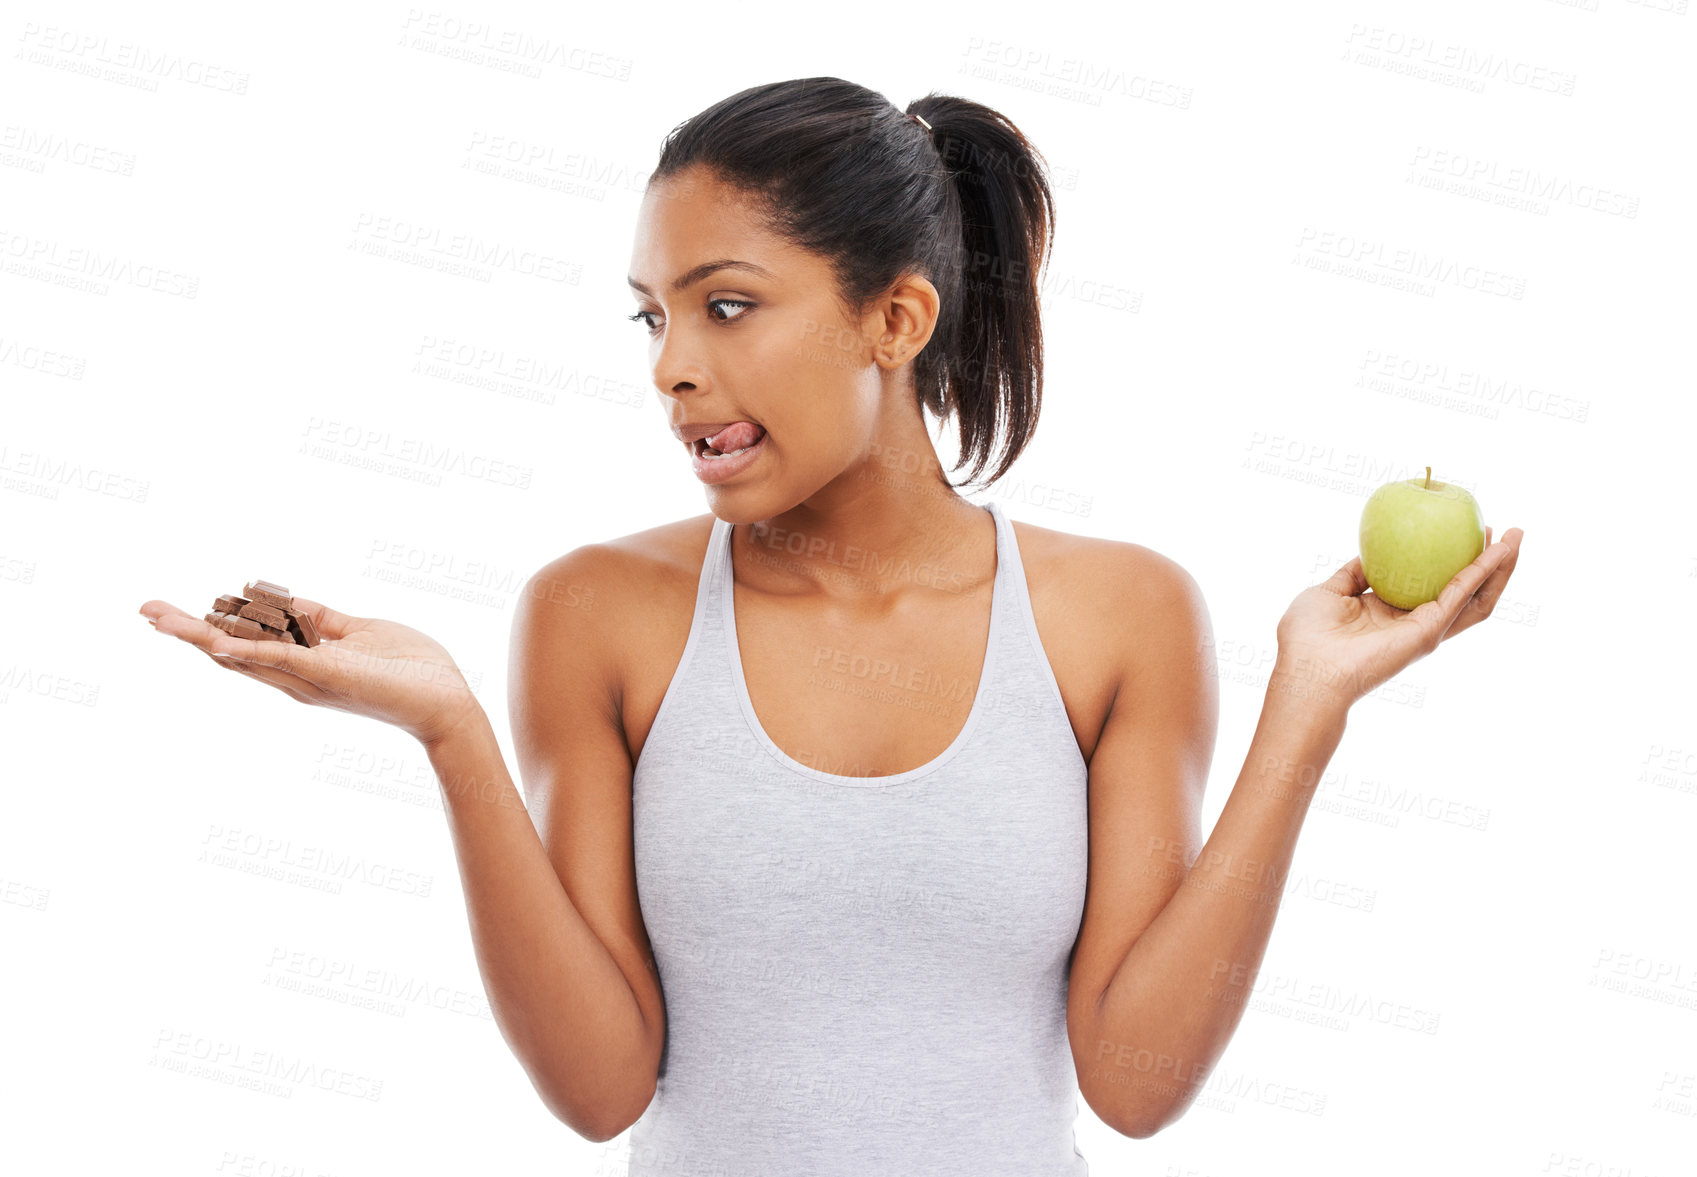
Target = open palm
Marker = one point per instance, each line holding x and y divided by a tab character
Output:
1341	641
364	665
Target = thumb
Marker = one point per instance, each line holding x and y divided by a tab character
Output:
1348	581
283	656
330	624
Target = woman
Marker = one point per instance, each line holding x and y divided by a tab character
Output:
866	821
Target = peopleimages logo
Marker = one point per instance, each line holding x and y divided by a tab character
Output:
511	50
468	248
35	149
1448	62
1031	68
1378	257
87	269
44	474
135	65
1514	186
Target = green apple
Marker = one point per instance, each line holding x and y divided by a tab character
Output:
1415	536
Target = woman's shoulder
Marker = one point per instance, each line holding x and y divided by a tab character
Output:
626	576
1088	568
638	562
614	603
1100	605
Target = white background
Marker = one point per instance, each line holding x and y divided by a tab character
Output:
1498	854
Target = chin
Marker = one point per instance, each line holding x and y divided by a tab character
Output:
734	508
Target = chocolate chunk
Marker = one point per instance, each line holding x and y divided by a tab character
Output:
301	626
265	615
267	593
240	627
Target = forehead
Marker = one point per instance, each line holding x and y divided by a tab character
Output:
691	217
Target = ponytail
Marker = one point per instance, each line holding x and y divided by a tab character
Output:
1006	215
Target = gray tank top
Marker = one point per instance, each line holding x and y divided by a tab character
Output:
863	976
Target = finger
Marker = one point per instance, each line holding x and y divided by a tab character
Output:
1435	617
209	639
223	648
1348	581
282	657
329	623
1480	605
297	689
157	611
196	631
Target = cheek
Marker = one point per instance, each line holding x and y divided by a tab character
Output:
803	439
823	351
818	398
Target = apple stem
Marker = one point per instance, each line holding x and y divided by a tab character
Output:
1428	485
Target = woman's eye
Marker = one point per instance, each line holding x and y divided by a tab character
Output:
733	302
643	316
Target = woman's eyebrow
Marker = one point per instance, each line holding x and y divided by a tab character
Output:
696	273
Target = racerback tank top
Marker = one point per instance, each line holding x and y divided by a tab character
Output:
863	976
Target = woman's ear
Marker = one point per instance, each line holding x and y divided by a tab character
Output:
905	318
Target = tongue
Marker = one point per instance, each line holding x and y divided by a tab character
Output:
735	437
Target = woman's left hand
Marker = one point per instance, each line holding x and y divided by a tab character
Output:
1337	641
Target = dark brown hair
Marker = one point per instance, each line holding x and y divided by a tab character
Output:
843	173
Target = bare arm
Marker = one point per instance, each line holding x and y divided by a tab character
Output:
1175	932
1174	929
1171	1007
559	998
552	903
551	892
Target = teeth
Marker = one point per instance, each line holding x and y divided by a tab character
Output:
702	449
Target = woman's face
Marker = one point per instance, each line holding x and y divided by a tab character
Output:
767	343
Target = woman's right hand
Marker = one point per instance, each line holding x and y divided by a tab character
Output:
365	665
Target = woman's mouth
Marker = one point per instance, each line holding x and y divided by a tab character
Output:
706	451
711	465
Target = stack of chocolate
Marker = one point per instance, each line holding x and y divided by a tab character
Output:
265	612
